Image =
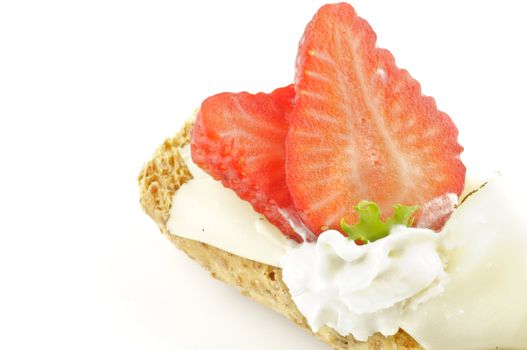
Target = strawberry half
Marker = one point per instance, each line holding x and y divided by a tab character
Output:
361	128
239	139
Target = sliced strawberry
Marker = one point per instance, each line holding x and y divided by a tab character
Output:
240	140
361	129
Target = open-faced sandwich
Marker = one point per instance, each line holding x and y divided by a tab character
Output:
341	202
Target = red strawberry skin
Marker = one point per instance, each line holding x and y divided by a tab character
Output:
239	139
361	128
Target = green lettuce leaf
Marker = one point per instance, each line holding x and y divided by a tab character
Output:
371	227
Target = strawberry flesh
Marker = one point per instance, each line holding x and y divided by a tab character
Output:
239	139
361	128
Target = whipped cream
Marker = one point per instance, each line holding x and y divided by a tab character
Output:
206	211
364	289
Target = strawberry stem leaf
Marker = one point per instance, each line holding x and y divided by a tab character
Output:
371	227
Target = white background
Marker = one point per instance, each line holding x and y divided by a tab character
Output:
88	90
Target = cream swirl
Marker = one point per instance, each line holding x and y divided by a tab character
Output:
361	290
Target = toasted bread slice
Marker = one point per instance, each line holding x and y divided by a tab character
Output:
160	179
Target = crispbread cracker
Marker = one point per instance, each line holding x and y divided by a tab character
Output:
161	177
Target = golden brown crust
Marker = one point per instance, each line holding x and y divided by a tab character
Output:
159	180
